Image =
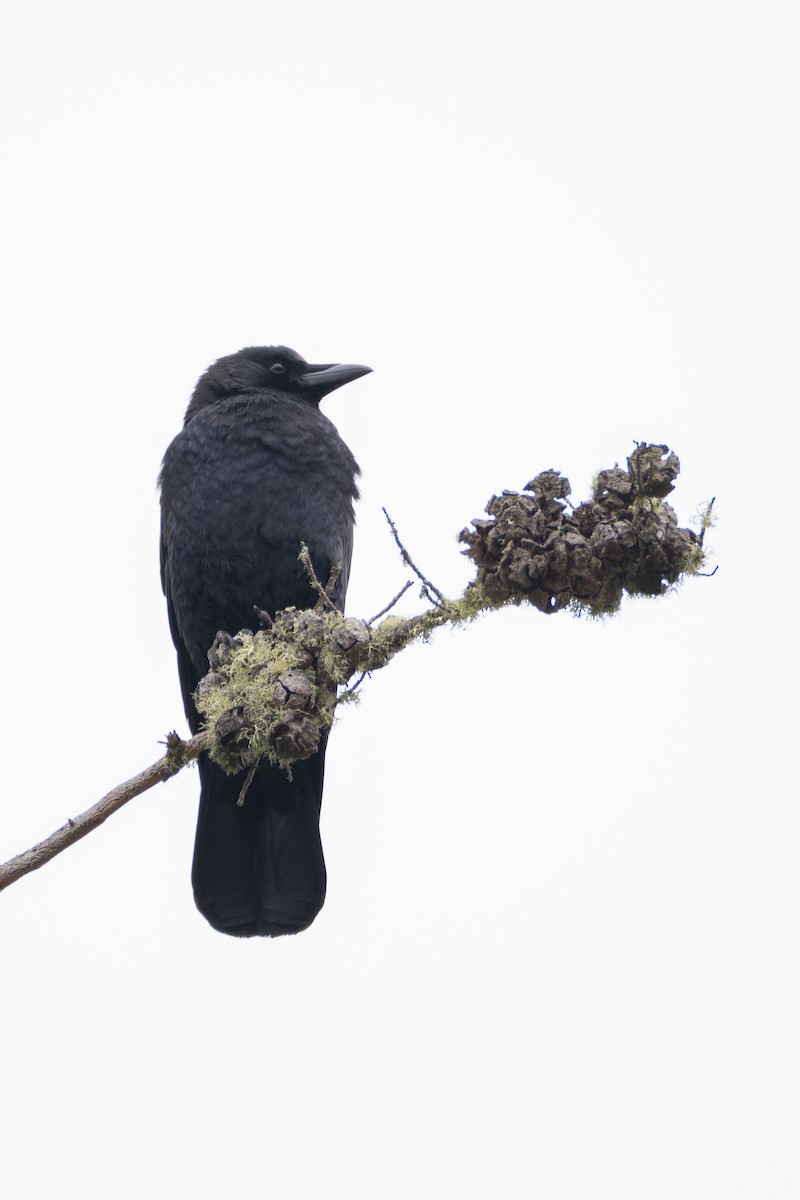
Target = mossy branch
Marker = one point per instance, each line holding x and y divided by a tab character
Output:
272	694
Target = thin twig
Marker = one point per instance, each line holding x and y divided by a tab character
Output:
427	586
324	598
179	753
706	519
335	572
391	603
351	691
246	785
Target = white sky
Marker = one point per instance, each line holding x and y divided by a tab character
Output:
559	955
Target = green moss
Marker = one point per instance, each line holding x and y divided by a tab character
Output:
694	561
707	518
247	682
469	605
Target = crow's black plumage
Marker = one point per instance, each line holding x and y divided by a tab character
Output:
256	470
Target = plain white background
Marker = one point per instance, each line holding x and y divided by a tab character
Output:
559	955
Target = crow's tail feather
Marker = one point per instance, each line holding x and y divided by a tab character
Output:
258	869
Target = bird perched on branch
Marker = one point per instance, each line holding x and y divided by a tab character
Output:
256	471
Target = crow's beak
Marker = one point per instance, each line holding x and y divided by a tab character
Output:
324	379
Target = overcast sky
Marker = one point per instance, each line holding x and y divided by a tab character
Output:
559	955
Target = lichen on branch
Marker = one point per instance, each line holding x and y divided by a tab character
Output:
272	693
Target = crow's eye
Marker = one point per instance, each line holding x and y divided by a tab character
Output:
278	368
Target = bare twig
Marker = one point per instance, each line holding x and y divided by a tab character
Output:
179	753
247	782
323	592
428	589
391	603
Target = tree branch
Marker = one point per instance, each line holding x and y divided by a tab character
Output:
272	694
179	753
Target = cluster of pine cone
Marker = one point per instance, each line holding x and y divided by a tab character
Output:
537	548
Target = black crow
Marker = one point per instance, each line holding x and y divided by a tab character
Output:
256	470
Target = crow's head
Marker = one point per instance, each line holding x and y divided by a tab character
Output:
272	368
